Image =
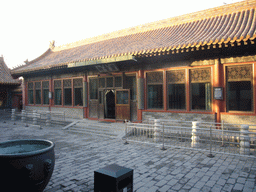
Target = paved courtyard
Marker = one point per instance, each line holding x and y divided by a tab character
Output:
79	155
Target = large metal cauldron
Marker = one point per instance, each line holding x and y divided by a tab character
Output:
26	165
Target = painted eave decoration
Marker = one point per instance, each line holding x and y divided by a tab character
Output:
228	25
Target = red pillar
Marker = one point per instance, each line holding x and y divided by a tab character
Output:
51	90
218	81
141	101
85	97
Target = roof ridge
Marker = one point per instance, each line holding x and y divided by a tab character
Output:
178	20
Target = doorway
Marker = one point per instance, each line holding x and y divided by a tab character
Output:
110	108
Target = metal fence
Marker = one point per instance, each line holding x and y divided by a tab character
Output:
36	118
212	137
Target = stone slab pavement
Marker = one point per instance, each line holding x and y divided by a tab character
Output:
79	155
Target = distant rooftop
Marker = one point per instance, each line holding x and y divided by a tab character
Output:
5	74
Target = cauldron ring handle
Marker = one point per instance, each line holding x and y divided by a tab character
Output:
29	169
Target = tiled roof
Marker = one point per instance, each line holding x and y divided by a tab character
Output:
228	24
5	74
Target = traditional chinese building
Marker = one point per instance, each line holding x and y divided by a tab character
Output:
10	90
195	66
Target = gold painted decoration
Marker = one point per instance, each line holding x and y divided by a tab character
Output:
57	84
155	77
239	73
200	75
30	86
176	76
67	83
102	83
45	84
78	82
38	85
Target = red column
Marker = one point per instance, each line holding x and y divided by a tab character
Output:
85	97
140	109
165	91
218	81
51	90
24	93
187	90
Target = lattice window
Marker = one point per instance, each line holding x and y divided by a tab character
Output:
30	86
78	82
200	75
110	82
239	73
37	85
45	84
176	76
67	83
118	81
57	84
102	83
93	88
154	77
30	93
155	90
239	88
176	89
200	89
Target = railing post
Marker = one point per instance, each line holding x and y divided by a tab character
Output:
13	116
157	130
34	117
222	132
48	119
163	147
195	138
210	154
23	116
244	140
126	142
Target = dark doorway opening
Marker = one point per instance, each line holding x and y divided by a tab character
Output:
110	108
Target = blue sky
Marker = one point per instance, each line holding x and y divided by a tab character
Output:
28	26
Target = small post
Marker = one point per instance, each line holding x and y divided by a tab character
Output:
34	117
13	116
23	116
48	119
210	154
245	140
222	128
126	142
163	148
195	138
157	130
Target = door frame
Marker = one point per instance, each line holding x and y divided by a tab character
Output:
123	110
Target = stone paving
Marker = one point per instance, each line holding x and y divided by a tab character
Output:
79	155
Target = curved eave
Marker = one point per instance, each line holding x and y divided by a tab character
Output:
199	46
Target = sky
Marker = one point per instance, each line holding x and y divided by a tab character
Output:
28	26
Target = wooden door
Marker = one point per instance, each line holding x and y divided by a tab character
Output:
101	104
123	104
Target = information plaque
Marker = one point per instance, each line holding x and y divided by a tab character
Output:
218	93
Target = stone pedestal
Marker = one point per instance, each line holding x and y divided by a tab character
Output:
23	116
157	130
34	117
13	116
48	119
245	140
195	138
